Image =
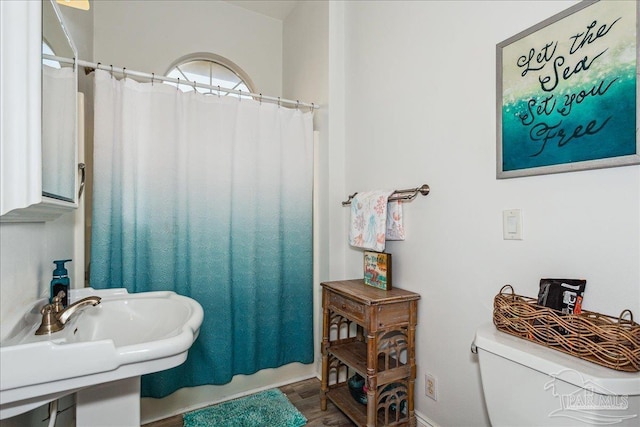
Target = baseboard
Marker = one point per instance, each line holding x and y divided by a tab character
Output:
193	398
424	421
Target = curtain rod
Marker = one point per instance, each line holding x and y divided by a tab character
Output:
152	77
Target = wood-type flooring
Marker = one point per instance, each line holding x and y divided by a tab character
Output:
304	395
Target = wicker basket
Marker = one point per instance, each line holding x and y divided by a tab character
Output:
605	340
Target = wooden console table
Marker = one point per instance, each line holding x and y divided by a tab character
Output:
371	332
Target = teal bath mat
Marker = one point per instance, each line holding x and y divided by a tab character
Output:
269	408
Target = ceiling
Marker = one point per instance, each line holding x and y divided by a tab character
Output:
278	9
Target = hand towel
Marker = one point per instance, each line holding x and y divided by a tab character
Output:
395	223
368	220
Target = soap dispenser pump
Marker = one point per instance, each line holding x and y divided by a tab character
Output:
60	282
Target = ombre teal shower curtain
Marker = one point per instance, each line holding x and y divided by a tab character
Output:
210	197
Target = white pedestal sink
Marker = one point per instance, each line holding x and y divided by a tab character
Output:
100	354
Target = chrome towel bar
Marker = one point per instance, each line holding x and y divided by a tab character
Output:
408	194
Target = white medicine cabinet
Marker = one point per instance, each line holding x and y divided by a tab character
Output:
39	170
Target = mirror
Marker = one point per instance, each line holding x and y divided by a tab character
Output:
59	104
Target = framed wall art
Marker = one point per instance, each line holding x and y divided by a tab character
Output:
567	92
377	270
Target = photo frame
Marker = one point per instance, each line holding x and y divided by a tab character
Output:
377	270
567	92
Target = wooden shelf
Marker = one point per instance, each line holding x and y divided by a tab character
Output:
356	411
385	335
354	354
342	398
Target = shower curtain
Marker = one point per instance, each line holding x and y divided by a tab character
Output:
210	197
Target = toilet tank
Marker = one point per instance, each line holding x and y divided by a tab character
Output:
527	384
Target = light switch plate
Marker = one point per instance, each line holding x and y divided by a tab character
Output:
512	224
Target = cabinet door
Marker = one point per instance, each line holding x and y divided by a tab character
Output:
38	145
59	111
20	101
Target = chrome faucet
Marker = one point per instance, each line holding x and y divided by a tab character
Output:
54	316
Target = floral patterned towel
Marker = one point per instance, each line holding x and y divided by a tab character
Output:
395	225
368	220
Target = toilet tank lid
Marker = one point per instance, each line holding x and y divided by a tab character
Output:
568	368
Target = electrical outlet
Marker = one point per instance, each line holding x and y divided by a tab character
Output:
431	386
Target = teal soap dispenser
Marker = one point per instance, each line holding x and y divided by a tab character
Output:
60	282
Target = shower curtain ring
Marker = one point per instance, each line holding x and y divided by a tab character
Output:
153	77
278	102
124	73
111	70
260	99
218	91
178	85
194	87
297	103
240	96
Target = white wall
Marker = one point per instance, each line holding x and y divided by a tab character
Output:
420	108
306	77
27	252
149	36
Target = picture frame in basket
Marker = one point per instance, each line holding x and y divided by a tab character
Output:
377	270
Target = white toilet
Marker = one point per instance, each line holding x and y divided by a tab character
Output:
527	384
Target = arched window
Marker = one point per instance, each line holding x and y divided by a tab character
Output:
210	69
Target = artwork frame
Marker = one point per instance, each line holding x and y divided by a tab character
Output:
563	92
377	270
